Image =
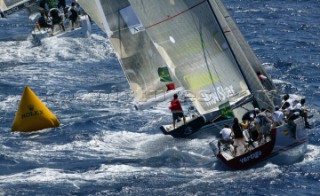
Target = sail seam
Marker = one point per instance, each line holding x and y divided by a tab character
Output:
171	17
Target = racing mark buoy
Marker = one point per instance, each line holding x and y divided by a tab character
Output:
32	114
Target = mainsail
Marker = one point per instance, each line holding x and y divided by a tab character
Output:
8	7
136	52
197	50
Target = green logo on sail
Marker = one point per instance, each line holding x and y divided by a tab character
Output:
164	74
225	110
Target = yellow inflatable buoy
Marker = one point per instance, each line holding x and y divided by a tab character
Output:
32	114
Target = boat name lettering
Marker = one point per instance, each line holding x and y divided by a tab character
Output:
32	113
221	94
251	157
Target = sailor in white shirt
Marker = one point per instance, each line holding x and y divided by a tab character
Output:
278	117
226	133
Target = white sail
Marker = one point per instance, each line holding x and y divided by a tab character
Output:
8	7
246	58
189	37
137	54
94	10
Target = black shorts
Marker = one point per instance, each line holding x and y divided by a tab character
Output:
254	135
73	18
56	21
45	25
176	115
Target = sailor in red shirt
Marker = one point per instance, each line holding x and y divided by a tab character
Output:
176	110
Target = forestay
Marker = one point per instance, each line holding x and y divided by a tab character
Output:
137	54
190	40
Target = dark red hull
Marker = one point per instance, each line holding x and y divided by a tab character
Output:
252	157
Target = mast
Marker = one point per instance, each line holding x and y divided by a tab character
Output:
227	41
246	59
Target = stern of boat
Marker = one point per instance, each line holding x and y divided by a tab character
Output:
193	124
245	157
290	146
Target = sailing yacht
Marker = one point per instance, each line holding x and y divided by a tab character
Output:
205	57
81	28
8	7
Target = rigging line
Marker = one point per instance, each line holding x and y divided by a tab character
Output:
206	60
227	41
178	14
119	33
205	49
239	104
261	100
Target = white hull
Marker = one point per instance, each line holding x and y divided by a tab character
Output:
288	149
290	156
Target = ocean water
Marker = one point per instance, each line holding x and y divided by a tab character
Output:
105	147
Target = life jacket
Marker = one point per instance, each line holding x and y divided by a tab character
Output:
245	125
175	105
260	77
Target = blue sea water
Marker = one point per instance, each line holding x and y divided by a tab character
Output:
105	147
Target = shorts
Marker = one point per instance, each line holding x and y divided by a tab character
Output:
257	121
266	129
56	21
45	25
176	115
73	18
254	135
